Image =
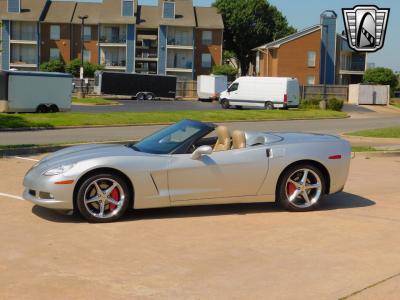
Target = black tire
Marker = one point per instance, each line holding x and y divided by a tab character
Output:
315	196
140	96
269	105
239	107
53	108
150	97
225	104
42	109
87	210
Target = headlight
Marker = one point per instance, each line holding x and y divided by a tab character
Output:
58	170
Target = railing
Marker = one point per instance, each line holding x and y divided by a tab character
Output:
188	65
179	42
23	61
23	36
115	40
110	63
353	66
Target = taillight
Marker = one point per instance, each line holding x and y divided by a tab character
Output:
285	99
334	157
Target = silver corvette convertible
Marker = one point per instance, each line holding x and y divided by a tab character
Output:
191	163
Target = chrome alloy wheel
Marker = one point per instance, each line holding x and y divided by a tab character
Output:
104	198
303	188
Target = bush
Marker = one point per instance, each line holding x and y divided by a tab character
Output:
88	68
54	65
335	104
311	103
227	70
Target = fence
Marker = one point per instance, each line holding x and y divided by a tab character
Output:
332	91
188	90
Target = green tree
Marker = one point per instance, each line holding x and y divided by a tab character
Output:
249	24
54	65
74	66
383	76
227	70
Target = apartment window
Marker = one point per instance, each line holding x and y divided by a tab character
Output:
55	32
311	58
87	33
86	55
169	10
54	53
14	6
311	80
128	8
206	38
206	60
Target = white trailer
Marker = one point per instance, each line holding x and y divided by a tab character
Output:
35	91
266	92
210	86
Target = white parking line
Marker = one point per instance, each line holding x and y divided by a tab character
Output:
11	196
25	158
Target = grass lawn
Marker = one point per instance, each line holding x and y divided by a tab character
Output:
137	118
396	104
393	132
363	149
93	101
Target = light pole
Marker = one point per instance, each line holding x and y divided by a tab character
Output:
82	18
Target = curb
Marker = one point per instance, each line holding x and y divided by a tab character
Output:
376	154
158	124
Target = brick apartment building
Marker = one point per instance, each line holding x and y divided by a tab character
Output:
302	55
173	38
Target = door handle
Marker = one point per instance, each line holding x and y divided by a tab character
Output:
268	152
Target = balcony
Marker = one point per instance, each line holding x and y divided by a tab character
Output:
23	56
179	60
180	38
23	33
352	63
113	58
111	35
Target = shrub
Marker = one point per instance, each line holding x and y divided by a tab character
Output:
227	70
311	103
88	68
335	104
54	65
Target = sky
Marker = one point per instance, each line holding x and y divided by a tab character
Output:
302	14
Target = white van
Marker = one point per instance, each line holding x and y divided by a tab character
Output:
266	92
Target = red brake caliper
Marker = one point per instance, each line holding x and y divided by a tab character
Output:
291	188
115	195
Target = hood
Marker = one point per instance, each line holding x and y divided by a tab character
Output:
80	153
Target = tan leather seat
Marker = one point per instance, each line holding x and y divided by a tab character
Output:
238	139
224	139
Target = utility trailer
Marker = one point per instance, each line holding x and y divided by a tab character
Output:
141	86
209	87
40	92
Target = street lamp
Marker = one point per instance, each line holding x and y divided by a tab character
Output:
82	18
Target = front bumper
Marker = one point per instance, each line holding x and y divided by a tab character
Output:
42	190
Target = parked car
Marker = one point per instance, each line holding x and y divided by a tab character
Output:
266	92
141	86
181	165
41	92
209	87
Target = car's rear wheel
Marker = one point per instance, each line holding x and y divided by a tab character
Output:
103	198
141	96
150	96
301	188
269	106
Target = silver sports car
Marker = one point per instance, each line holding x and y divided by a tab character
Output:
191	163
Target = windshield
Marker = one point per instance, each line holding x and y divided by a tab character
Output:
169	139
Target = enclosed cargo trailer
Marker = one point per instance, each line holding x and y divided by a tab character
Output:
42	92
141	86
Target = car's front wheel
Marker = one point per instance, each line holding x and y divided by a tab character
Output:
301	188
103	198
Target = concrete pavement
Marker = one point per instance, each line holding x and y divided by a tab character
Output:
256	251
358	121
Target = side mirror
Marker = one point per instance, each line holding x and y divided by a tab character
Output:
199	152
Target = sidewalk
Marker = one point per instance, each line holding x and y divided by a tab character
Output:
379	143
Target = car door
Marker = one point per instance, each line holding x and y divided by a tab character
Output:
225	174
